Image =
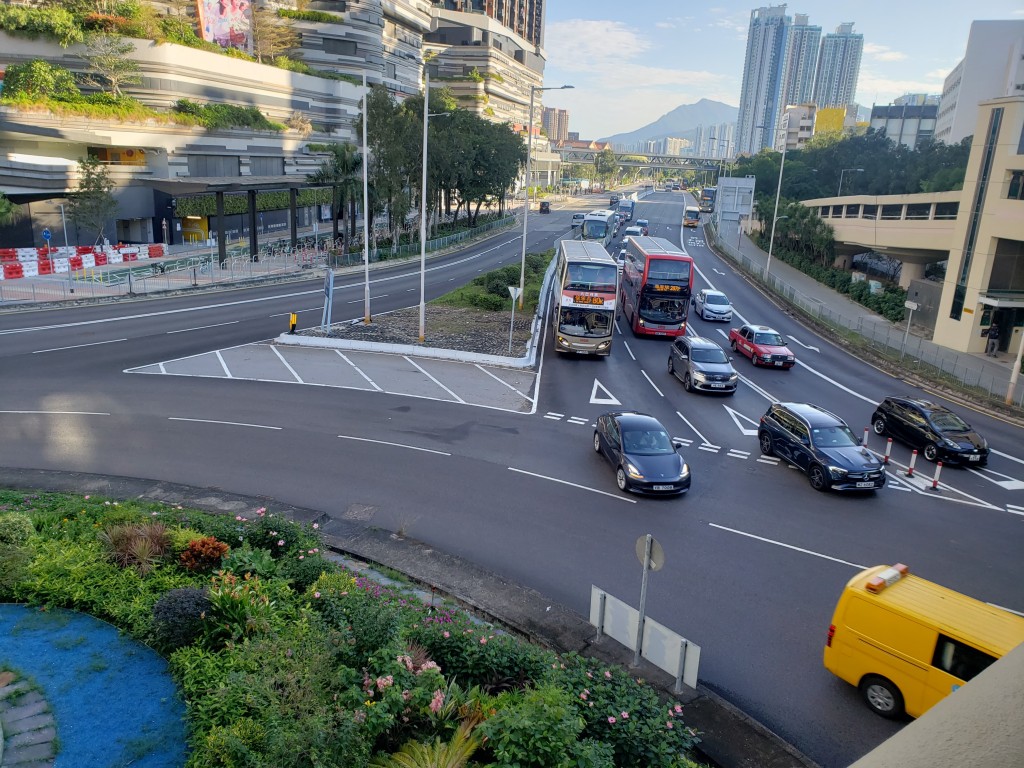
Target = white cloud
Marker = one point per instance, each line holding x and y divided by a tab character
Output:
883	53
876	88
584	45
665	25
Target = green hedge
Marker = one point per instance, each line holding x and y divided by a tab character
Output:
490	291
51	22
226	116
314	16
206	205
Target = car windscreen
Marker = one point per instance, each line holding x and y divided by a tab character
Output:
945	421
769	339
647	442
709	356
838	436
713	298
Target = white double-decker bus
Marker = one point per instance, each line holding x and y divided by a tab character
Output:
600	226
587	284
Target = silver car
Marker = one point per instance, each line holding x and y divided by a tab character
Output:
712	305
702	365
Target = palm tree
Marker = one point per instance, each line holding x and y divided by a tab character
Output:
9	212
338	171
452	754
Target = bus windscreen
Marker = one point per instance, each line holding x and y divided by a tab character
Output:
669	269
591	277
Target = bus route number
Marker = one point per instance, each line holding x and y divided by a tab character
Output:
579	299
666	288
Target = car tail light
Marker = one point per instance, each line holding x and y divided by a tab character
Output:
831	634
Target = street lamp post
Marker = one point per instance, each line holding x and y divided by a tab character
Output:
778	194
526	194
841	173
423	208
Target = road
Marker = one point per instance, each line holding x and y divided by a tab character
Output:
755	557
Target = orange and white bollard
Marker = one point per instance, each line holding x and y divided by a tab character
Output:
913	461
864	442
935	480
888	451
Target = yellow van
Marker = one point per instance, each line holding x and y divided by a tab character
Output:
907	643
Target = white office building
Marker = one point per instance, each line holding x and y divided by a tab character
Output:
992	67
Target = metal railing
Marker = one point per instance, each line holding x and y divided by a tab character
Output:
920	356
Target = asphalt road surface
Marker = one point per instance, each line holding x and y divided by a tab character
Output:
755	557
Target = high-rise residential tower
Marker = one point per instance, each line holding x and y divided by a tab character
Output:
555	123
800	65
992	67
524	17
762	78
835	85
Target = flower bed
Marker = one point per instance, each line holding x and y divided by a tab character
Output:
285	658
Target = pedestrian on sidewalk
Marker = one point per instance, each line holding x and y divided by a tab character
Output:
992	348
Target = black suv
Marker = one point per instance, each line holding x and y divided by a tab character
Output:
935	430
822	445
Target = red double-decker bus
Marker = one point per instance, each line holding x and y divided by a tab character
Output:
657	280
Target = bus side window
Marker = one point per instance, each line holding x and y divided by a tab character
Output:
960	660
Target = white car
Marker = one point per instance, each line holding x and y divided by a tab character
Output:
633	231
621	259
712	305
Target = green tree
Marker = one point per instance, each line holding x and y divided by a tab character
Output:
39	79
339	172
605	164
9	212
272	35
92	205
110	65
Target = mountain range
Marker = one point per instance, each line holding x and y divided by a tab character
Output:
680	123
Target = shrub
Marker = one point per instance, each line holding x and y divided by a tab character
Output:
139	545
180	537
366	622
15	529
239	608
52	22
315	16
178	617
203	555
216	116
13	568
535	729
244	561
303	569
39	79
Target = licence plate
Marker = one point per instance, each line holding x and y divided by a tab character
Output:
778	362
717	385
866	484
662	487
974	458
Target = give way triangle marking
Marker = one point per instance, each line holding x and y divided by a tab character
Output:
608	399
736	416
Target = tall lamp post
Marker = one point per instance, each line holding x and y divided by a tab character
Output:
529	153
778	194
423	208
841	173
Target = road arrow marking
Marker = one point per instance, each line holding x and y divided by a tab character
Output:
608	400
736	416
718	271
1010	483
805	346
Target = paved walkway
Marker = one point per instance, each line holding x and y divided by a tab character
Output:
839	310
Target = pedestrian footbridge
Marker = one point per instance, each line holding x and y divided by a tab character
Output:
916	229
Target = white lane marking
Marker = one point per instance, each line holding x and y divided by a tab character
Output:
223	364
1006	455
922	485
58	413
626	345
805	346
291	370
873	401
1009	483
759	389
709	448
359	370
574	485
372	298
788	546
736	416
738	453
773	460
684	440
202	327
77	346
660	393
395	445
226	423
702	438
617	329
422	370
162	369
595	399
577	420
554	415
1015	510
524	396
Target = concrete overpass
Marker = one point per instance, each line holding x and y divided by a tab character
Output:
642	160
916	229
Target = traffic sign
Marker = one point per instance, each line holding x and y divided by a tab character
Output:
47	235
911	305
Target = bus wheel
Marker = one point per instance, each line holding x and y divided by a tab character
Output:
882	696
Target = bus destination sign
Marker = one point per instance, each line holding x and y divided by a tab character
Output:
580	298
665	288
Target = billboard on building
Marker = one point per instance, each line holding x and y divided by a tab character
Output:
228	23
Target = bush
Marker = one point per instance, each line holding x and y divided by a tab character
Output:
139	545
320	17
203	555
15	529
178	617
533	730
52	22
216	116
303	569
244	561
39	79
365	622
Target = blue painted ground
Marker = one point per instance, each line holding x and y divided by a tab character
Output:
113	699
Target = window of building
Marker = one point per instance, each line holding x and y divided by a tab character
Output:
870	212
339	47
389	70
213	165
853	211
891	212
946	210
959	659
919	210
1016	188
266	166
837	211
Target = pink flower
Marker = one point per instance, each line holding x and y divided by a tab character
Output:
447	633
280	542
316	526
608	674
668	724
86	497
406	695
678	709
483	641
625	715
239	517
316	594
611	720
588	674
385	682
437	702
583	695
302	557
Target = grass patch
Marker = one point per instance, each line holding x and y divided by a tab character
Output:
490	291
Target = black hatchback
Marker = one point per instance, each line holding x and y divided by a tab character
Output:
645	457
933	429
822	445
545	206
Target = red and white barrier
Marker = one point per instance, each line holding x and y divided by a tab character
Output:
31	262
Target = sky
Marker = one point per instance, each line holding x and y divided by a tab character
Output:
631	62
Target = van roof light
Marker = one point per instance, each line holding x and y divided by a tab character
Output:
886	578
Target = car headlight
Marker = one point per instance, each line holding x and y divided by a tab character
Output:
699	376
766	356
951	444
686	471
564	341
790	359
734	376
604	345
633	471
838	473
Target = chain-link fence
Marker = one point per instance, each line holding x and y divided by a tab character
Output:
913	353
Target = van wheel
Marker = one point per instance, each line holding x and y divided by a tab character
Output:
882	696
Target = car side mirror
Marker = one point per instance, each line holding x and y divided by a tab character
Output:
677	443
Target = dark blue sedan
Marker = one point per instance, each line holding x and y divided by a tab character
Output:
645	457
